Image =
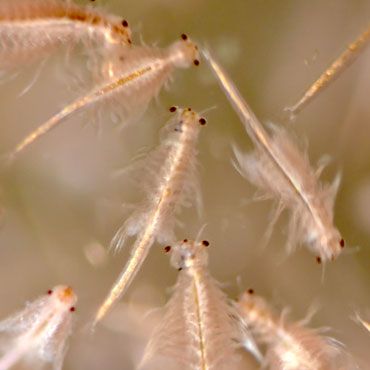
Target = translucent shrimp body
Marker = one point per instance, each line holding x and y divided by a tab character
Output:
141	76
40	331
196	331
170	182
283	173
290	346
333	72
30	29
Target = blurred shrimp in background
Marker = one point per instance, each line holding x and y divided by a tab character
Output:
62	203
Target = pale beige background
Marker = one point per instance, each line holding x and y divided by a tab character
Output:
63	202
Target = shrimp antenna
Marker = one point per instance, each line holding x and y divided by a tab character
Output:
200	232
213	107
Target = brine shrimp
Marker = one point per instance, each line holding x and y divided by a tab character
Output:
39	332
290	345
170	182
197	330
32	29
332	72
143	72
283	173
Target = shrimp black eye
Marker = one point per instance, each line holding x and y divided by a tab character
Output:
172	109
185	241
318	260
167	249
205	243
124	23
250	291
72	309
196	62
50	292
341	243
202	121
184	37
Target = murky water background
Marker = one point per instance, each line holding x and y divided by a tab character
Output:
63	202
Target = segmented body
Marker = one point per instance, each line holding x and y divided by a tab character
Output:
290	346
332	72
30	29
172	167
280	170
197	330
40	331
140	77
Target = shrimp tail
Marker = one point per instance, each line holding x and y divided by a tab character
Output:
138	256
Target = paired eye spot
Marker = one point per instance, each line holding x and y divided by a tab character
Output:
341	243
196	62
49	292
202	121
318	260
124	23
179	269
205	243
173	109
250	291
167	249
185	241
184	37
72	309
